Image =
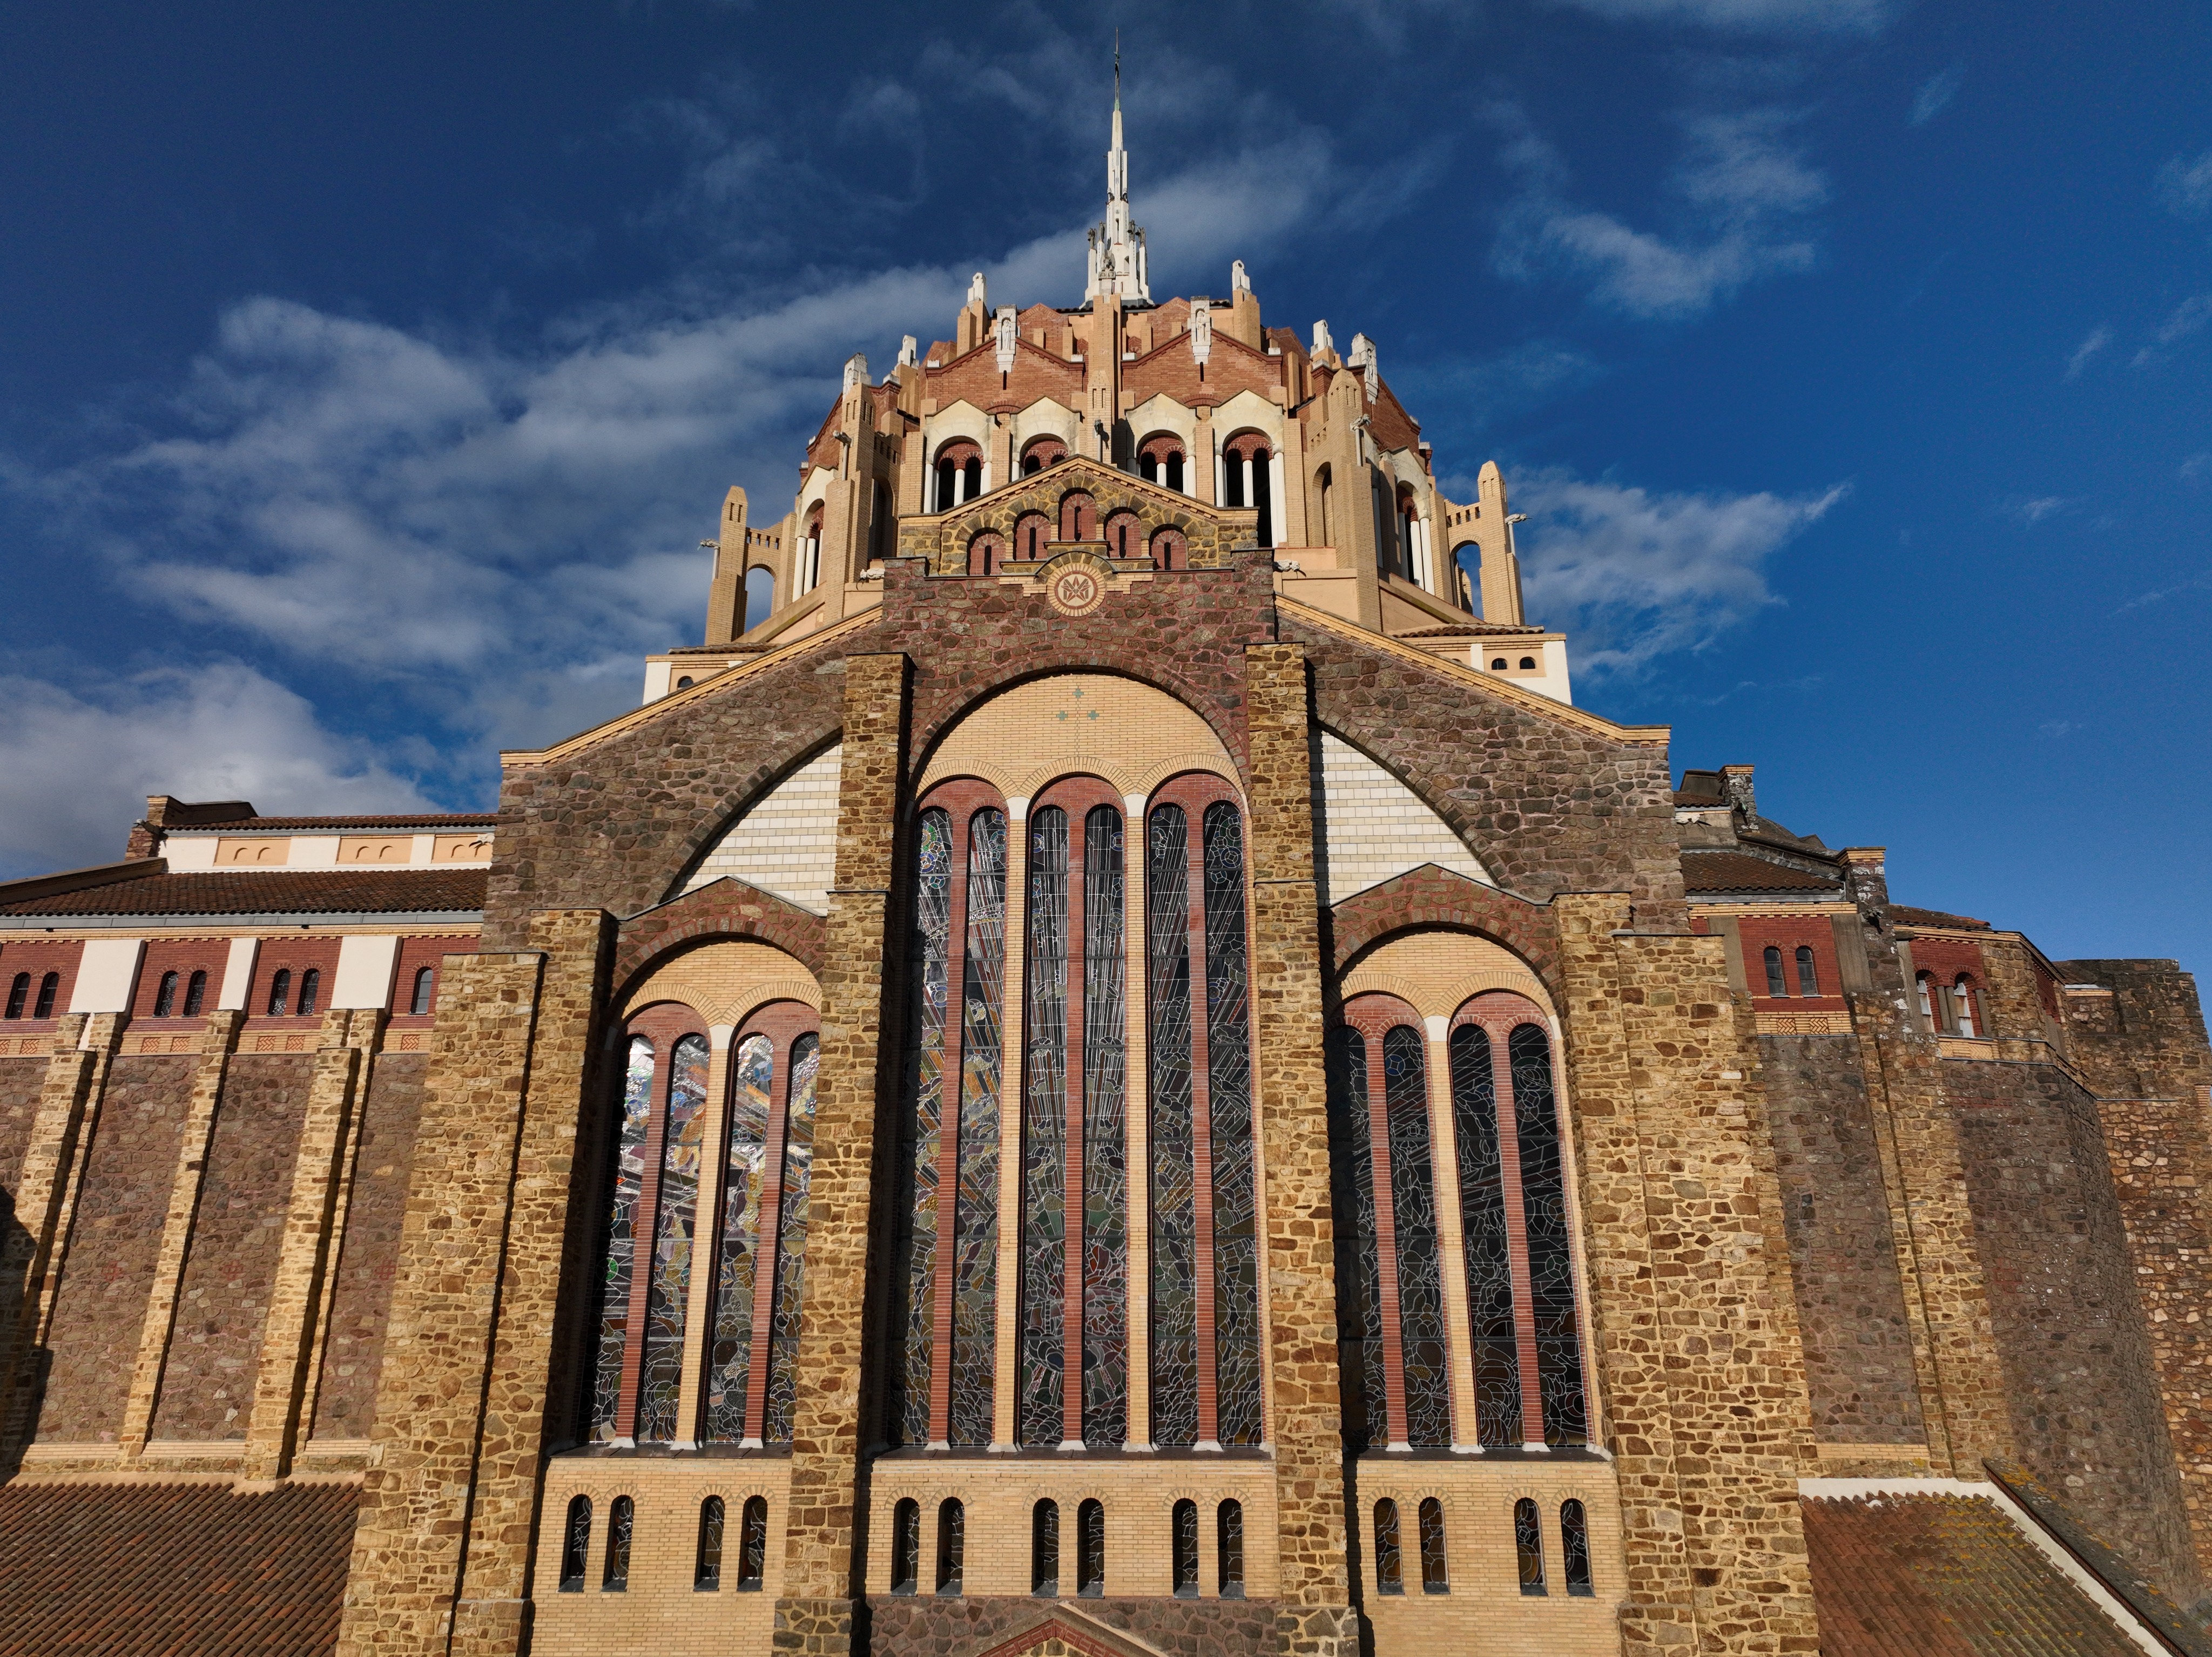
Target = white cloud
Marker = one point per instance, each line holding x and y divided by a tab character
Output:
1935	96
1635	575
2185	183
2033	511
2056	729
2097	339
75	768
1751	16
1738	195
2186	318
2198	465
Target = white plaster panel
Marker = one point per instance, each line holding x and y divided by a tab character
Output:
314	851
189	852
237	975
787	842
106	973
1375	829
365	968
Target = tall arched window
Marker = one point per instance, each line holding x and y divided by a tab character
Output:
959	474
1529	1546
576	1545
1776	985
1074	1341
311	990
944	1257
1248	466
791	1204
1323	504
622	1519
1522	1312
809	551
1201	1126
1090	1550
1182	1548
280	993
760	595
674	1210
1160	460
1044	1550
49	987
1922	982
1574	1547
426	979
951	1546
19	994
165	998
195	993
906	1546
1390	1557
1962	1004
1229	1549
1436	1571
1809	974
752	1545
706	1568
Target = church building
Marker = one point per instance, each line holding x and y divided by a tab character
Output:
1110	1065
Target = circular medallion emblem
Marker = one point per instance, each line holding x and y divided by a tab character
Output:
1076	591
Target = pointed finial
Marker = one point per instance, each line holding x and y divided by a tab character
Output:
1117	69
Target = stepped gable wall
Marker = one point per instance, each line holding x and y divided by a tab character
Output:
368	1256
113	1247
1843	1256
2070	1332
207	1390
1548	806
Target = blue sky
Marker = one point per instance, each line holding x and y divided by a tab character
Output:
368	375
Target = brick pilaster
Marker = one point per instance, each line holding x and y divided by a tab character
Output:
1693	1313
290	1330
217	1044
823	1537
33	1255
415	1497
1305	1404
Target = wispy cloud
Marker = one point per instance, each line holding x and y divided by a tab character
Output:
2056	729
1935	96
2200	582
1637	574
2185	318
1738	195
2097	339
2184	184
1751	16
2030	512
75	766
2197	467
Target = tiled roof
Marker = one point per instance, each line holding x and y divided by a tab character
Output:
291	891
420	820
1905	915
1734	871
101	1569
1941	1575
1468	630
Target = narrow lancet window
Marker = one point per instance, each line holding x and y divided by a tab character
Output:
1358	1267
1105	1184
576	1545
1413	1209
785	1316
752	1545
615	1285
1184	1548
729	1359
1045	1136
1389	1558
1551	1260
1229	1549
920	1127
976	1217
684	1135
707	1568
1486	1239
1229	1057
1175	1213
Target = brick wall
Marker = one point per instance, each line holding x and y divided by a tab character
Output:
361	1301
102	1308
208	1389
1850	1300
2070	1333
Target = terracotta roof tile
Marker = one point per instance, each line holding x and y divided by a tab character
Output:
419	820
294	891
1905	915
1736	872
101	1569
1940	1576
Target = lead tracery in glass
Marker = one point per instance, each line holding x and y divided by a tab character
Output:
789	1302
1358	1258
1497	1355
976	1230
661	1374
1174	1214
1228	1060
1105	1182
1414	1210
914	1270
729	1362
628	1183
1041	1399
1550	1262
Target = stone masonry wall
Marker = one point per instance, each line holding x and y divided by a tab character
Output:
20	1082
1850	1300
2071	1335
207	1391
361	1302
101	1306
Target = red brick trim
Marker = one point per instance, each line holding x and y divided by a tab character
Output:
1432	897
728	908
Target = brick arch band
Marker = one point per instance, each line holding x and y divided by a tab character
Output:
938	712
1429	897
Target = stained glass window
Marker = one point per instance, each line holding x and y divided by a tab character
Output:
915	1275
975	1231
1090	1550
1228	1091
1044	1550
906	1546
1529	1546
1175	1215
1183	1547
707	1570
752	1545
1229	1549
752	1071
576	1545
622	1238
1551	1261
1574	1547
1435	1574
952	1545
1042	1404
661	1376
1414	1208
1389	1559
1359	1267
620	1519
1105	1180
791	1243
1497	1352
